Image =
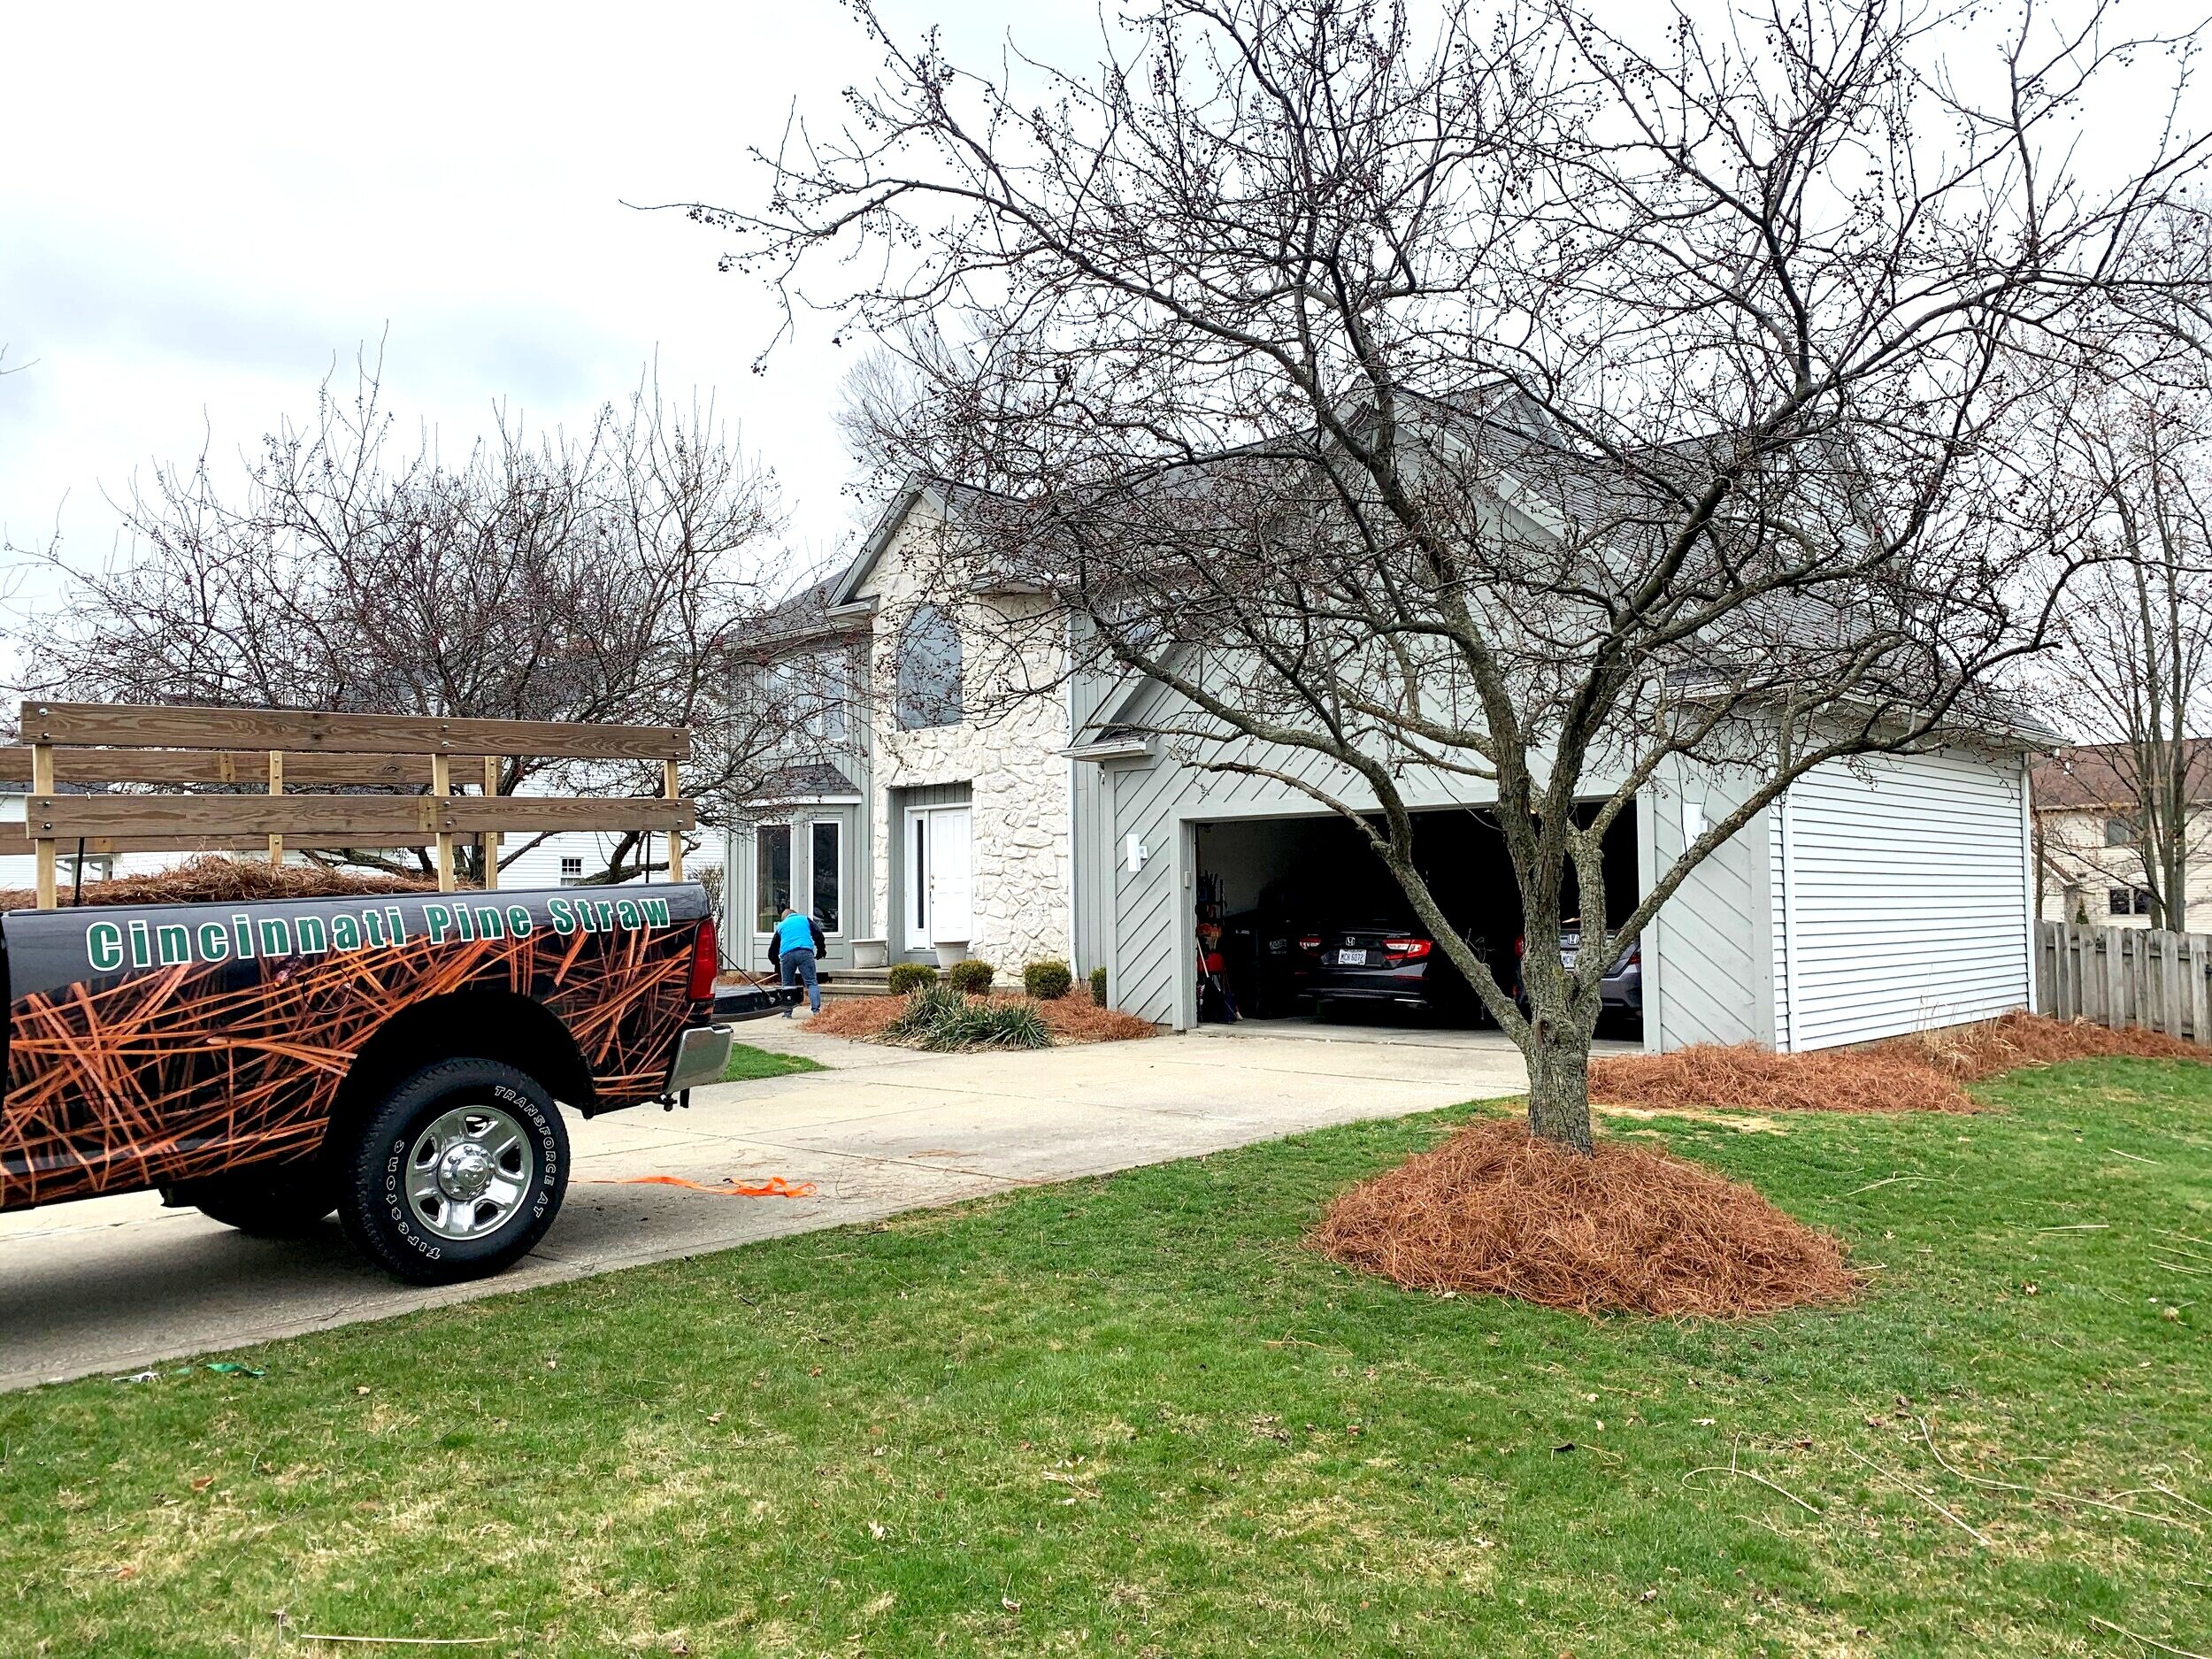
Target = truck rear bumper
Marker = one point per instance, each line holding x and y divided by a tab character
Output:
703	1054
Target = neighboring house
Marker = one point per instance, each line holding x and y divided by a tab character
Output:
2092	860
20	870
1879	897
575	857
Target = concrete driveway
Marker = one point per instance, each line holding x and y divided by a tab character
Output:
113	1284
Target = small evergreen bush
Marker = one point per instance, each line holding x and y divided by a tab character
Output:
1048	980
910	976
970	976
1098	987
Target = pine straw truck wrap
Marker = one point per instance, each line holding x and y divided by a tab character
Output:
168	1044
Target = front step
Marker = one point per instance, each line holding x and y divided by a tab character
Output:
847	982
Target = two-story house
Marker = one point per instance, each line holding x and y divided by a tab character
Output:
2086	808
1886	896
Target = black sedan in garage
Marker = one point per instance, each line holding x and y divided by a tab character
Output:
1385	961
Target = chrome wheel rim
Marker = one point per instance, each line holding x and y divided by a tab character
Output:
469	1172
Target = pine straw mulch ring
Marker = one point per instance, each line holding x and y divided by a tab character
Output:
213	878
1071	1019
1630	1229
1926	1072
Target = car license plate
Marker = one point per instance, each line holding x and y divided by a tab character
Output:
1567	959
1351	958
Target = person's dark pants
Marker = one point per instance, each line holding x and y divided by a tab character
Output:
798	969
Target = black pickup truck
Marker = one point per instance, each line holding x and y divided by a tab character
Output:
394	1056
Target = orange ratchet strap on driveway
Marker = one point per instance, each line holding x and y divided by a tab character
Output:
774	1186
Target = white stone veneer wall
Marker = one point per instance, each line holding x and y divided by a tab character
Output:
1010	759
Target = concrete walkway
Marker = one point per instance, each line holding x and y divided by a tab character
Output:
114	1283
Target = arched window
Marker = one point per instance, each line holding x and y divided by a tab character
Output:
929	669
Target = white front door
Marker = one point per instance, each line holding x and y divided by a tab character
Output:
938	885
950	915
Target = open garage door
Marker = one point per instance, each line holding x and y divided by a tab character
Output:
1297	916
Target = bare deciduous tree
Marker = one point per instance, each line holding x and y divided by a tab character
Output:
1522	404
2133	670
623	575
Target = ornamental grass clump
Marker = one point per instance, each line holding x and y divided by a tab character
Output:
940	1018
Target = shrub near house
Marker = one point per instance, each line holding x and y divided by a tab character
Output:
1048	982
970	978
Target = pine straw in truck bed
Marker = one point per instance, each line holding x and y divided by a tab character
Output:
1073	1019
1925	1072
1628	1230
213	878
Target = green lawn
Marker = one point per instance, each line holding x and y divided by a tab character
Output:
1134	1415
748	1063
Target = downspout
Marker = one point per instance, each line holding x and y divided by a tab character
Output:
1074	841
1789	922
2033	883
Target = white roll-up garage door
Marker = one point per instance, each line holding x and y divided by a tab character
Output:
1902	904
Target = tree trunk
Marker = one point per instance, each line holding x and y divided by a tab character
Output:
1559	1081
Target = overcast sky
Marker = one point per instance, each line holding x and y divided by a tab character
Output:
202	208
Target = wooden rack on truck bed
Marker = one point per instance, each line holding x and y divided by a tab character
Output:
284	750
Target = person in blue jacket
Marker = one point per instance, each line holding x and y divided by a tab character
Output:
792	949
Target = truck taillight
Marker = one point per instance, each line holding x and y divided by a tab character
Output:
706	961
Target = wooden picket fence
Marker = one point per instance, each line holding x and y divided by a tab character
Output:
2127	976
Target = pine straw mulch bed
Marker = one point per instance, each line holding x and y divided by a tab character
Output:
1073	1019
1927	1072
213	878
1628	1230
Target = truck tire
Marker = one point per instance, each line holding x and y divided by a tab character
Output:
284	1202
455	1173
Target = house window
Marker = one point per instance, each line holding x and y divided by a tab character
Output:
772	852
2119	832
2131	901
828	872
812	692
572	871
928	676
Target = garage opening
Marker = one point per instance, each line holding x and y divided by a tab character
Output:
1298	917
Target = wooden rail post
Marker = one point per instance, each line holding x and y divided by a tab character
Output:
441	786
276	787
491	837
674	792
42	784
